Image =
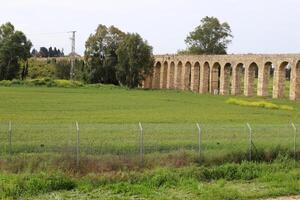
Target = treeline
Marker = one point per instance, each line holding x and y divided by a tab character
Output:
47	52
111	57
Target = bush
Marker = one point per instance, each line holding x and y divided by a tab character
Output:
262	104
48	82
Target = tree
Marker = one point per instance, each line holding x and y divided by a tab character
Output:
100	54
34	53
44	52
14	48
135	60
51	53
210	37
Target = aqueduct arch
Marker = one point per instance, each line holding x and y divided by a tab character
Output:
195	77
186	79
171	78
215	74
249	74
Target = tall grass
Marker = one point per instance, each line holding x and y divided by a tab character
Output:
228	181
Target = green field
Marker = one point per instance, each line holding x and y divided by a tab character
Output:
44	139
110	104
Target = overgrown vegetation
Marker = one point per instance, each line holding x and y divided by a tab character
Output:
229	181
48	82
262	104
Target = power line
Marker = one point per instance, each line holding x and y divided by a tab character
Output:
50	33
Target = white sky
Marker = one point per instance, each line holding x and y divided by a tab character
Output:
258	26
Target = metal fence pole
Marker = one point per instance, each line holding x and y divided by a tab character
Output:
295	135
77	145
250	141
199	139
141	142
9	138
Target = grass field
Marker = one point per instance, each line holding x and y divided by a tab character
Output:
44	139
110	104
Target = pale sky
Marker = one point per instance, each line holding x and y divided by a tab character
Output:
258	26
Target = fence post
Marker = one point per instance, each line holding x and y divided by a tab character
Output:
141	142
77	146
250	141
9	138
295	135
199	139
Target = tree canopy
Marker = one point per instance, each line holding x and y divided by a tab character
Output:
14	47
115	57
100	54
45	53
135	60
210	37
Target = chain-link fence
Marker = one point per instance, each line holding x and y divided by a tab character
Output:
204	141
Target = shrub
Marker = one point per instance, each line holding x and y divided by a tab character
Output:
6	83
262	104
43	82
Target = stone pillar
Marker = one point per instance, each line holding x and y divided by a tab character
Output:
295	82
161	79
279	82
204	78
187	78
176	77
183	79
236	81
171	76
195	76
168	77
263	79
192	77
153	78
214	79
248	83
225	80
156	78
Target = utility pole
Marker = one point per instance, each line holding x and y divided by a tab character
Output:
72	54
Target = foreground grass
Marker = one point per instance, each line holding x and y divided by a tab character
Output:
230	181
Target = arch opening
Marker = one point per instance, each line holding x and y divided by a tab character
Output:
196	78
282	86
251	80
172	75
205	78
156	74
227	79
164	75
215	79
186	80
178	75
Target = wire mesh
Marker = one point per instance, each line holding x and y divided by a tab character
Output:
124	140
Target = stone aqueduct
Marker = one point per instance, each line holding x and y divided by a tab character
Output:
228	74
